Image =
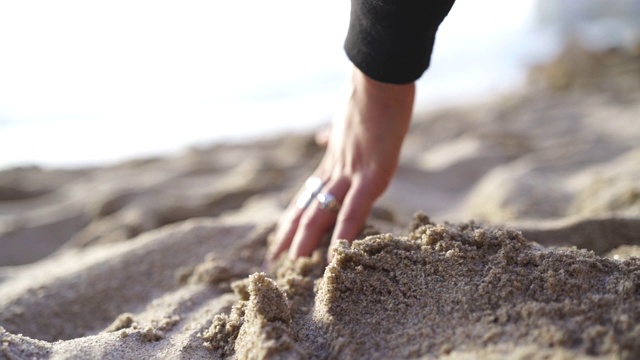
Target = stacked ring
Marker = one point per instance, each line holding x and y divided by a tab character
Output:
328	202
312	187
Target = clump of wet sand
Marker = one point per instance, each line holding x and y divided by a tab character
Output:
440	290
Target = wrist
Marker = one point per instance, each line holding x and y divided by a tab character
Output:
388	94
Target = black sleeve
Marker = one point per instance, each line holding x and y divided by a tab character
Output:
391	40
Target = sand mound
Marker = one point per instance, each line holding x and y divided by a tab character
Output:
87	294
441	290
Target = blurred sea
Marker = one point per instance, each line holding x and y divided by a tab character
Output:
88	83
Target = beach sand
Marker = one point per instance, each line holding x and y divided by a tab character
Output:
512	230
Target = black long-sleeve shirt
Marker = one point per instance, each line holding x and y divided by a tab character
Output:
391	40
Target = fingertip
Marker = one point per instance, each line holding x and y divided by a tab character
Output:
284	235
280	245
272	255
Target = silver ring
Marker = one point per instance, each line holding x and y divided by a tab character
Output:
312	187
328	202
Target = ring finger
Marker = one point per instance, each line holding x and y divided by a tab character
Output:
315	221
289	221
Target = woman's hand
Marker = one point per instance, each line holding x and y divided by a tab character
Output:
359	163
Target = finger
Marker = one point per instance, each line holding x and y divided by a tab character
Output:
322	136
285	231
315	222
355	210
288	223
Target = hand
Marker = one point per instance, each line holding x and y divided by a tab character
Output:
358	165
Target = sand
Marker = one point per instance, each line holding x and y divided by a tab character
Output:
441	290
530	248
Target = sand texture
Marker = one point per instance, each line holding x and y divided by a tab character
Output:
463	287
530	249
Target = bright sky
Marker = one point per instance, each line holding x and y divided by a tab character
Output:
83	56
84	81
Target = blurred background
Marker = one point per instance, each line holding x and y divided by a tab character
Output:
85	83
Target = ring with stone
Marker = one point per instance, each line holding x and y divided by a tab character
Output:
328	202
312	187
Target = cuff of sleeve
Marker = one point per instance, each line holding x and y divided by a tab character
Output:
391	41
